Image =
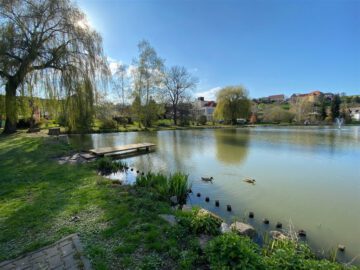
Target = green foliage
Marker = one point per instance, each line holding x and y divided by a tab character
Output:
188	259
202	120
232	103
335	107
178	186
164	123
79	108
291	255
174	185
147	113
74	55
152	262
108	124
104	113
278	115
285	106
231	251
200	221
106	165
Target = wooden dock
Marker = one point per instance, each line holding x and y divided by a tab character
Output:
118	150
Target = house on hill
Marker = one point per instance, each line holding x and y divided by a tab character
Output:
277	98
313	96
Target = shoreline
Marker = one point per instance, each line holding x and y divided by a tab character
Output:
157	128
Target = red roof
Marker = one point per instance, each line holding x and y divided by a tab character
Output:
210	104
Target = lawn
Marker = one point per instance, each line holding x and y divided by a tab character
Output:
118	226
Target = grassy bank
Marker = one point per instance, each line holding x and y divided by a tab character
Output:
118	225
38	198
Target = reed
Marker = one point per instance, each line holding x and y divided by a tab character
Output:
106	165
166	186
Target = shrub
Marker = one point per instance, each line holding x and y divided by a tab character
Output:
202	120
164	123
232	251
286	254
200	221
292	255
106	165
188	259
108	124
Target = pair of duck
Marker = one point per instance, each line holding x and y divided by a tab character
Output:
246	180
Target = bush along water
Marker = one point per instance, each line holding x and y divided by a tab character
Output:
232	251
175	185
229	250
200	221
107	166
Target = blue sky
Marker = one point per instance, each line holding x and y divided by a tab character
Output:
270	47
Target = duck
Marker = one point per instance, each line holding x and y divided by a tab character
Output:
207	179
249	180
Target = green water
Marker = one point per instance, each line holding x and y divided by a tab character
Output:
309	177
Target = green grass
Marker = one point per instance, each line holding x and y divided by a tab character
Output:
119	226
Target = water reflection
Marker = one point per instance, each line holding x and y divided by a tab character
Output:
308	175
232	145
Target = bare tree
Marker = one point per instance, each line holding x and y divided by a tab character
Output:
121	83
177	83
51	40
146	79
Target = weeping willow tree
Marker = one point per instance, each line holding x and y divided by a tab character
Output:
232	103
51	41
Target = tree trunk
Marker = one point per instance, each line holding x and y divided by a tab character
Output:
10	107
175	115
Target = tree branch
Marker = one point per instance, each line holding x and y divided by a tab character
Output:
4	74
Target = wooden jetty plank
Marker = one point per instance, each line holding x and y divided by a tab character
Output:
107	150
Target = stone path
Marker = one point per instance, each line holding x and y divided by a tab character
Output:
76	158
66	253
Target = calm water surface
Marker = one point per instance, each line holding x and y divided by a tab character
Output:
309	177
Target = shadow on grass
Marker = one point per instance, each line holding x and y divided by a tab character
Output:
38	197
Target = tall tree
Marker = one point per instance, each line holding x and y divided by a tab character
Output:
147	77
232	103
177	82
335	107
121	83
51	39
301	108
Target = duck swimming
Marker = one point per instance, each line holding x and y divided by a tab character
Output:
249	181
207	179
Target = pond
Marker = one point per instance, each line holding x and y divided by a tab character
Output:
305	176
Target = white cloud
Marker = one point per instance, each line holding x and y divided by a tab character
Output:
209	94
113	64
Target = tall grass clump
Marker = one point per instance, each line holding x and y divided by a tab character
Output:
106	165
166	186
178	185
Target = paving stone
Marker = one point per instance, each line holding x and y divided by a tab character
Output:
68	249
59	255
55	260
